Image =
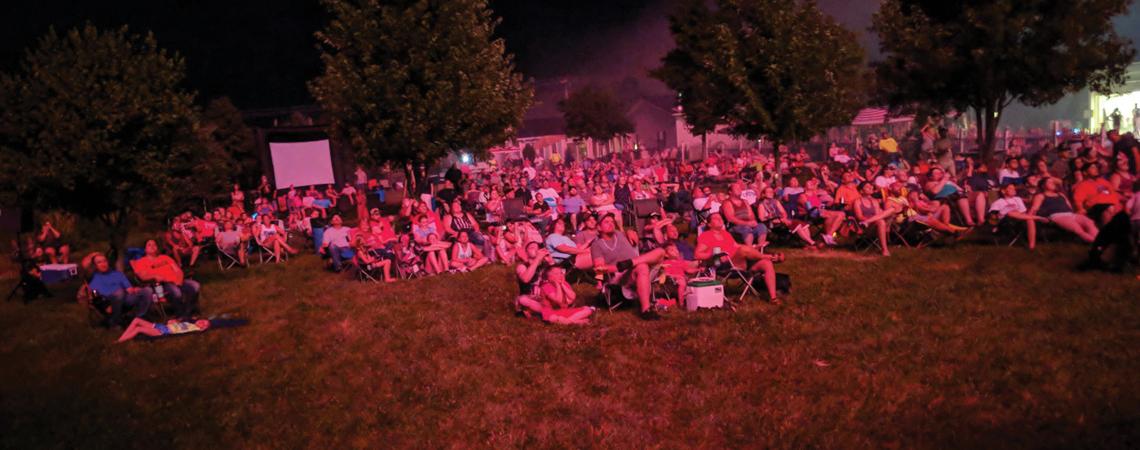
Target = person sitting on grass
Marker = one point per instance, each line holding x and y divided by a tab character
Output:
465	256
717	243
557	298
164	272
506	244
1010	206
231	241
435	251
528	276
613	253
114	287
270	236
52	246
1052	204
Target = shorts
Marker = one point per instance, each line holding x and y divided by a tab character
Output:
745	230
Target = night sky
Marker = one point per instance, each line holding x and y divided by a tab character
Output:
260	53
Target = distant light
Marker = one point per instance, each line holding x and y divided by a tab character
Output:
1076	130
465	158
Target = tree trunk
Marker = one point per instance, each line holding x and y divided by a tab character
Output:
988	120
779	180
118	229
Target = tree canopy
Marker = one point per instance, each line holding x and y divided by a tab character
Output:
412	80
95	123
593	112
768	68
983	55
226	132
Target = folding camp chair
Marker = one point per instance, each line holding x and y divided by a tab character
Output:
265	254
1005	231
731	271
862	238
226	261
913	234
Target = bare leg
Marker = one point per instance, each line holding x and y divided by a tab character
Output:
138	326
769	276
194	252
881	227
641	277
980	206
1030	225
527	303
386	265
443	264
1085	229
964	208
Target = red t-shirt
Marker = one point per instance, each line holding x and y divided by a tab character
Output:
159	268
718	239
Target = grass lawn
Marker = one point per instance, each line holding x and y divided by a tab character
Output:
973	346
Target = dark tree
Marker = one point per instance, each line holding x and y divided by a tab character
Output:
226	132
95	123
768	68
592	112
410	81
983	55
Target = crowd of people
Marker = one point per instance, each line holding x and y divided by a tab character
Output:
632	219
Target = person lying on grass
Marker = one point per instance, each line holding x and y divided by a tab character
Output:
172	327
717	243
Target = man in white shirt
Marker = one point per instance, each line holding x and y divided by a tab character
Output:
335	243
1013	207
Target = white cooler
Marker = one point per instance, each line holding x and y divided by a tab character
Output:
57	273
704	293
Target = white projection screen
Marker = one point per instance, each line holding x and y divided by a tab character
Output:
301	163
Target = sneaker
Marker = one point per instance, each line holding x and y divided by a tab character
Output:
650	315
827	239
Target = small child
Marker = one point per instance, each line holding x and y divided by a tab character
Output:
678	268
